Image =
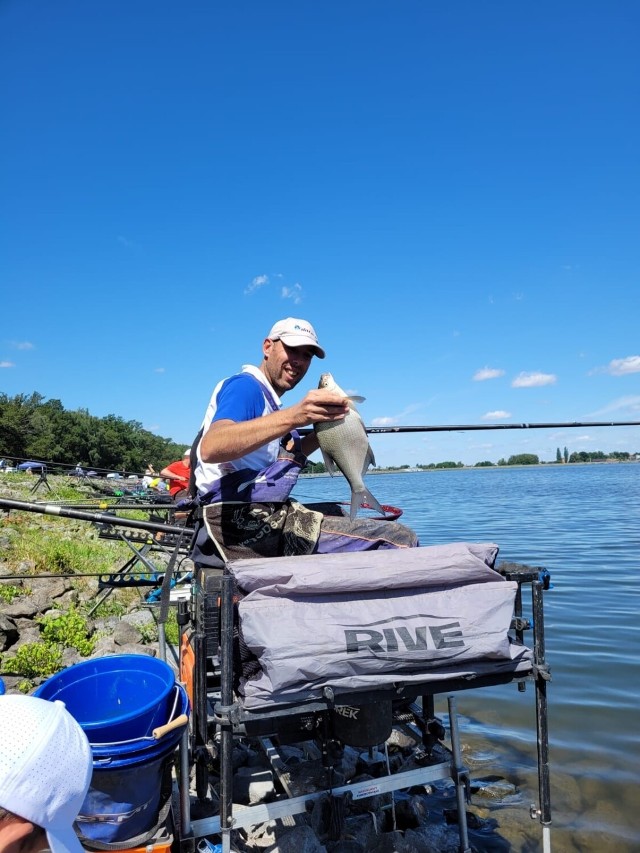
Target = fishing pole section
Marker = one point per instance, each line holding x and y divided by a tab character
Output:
375	430
381	430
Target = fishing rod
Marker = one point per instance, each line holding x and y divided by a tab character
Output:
95	517
377	430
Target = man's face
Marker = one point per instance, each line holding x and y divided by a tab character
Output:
285	366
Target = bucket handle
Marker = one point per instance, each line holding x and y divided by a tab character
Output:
160	731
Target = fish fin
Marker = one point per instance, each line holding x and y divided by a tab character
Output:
357	498
369	459
354	398
367	498
363	497
329	464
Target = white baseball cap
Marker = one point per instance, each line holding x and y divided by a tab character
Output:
45	767
296	333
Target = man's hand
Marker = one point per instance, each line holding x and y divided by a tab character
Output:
227	440
319	405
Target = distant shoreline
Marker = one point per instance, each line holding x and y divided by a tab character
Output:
484	467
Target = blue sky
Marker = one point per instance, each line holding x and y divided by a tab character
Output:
448	191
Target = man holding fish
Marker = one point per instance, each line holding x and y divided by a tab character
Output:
249	455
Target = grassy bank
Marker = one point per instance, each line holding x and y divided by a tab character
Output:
38	551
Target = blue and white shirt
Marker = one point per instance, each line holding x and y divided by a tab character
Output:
239	398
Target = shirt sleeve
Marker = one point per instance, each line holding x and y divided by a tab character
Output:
239	399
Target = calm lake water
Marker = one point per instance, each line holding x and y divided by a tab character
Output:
582	523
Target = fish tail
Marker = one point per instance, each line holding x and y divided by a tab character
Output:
357	498
363	497
368	498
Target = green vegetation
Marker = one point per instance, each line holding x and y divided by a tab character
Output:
8	592
315	468
58	549
35	428
44	658
441	465
517	459
171	629
34	544
598	456
68	630
34	660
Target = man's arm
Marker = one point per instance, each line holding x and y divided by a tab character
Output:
226	440
168	474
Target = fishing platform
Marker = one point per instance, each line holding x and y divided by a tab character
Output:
332	652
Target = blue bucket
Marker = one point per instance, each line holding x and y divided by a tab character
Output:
118	700
114	698
2	687
126	790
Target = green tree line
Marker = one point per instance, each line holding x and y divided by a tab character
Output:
32	427
517	459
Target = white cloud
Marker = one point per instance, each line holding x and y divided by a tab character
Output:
393	420
498	415
124	242
294	293
629	404
6	364
622	366
533	380
159	370
22	345
258	282
487	373
382	422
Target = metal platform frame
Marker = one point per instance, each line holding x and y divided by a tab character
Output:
231	720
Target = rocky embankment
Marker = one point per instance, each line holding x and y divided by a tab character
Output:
53	610
21	621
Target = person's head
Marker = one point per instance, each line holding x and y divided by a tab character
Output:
186	457
287	352
45	772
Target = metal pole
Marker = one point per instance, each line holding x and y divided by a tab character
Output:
459	773
185	800
95	517
542	676
162	641
226	700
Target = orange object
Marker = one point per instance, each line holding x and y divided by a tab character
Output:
162	845
187	665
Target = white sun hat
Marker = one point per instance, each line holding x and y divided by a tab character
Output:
45	767
296	333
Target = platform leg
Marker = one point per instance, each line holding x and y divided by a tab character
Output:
459	777
185	800
542	676
226	700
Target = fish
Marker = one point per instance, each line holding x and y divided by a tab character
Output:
345	447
